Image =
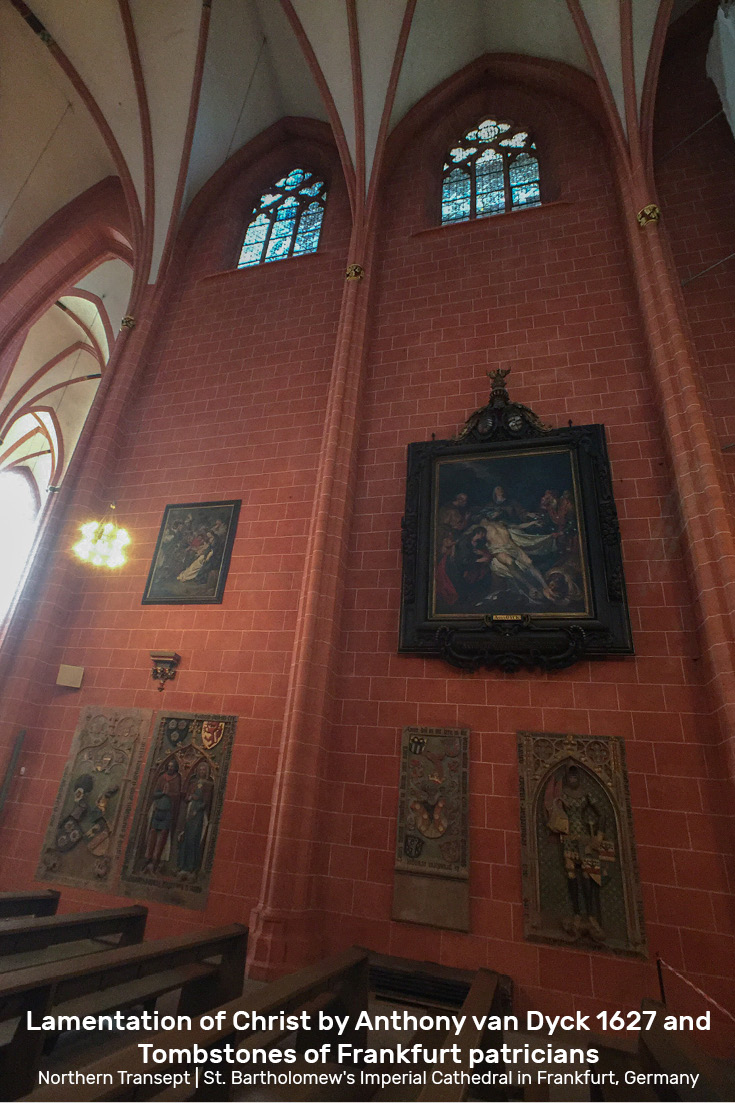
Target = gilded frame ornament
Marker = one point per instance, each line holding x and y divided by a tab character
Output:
526	573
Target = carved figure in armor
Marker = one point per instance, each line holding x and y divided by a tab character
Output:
576	819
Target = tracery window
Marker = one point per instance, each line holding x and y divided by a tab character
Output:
286	221
494	168
21	515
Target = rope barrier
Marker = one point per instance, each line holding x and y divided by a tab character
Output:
697	990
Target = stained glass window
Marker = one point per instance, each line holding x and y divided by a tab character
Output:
494	168
286	221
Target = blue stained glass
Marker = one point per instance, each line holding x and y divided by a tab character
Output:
309	228
494	168
286	222
252	249
526	196
458	155
518	140
294	178
283	230
524	181
456	193
490	189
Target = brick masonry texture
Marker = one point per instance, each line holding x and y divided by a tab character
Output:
232	406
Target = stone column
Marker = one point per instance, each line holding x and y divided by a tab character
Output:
284	930
706	526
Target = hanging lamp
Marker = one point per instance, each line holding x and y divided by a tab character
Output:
103	542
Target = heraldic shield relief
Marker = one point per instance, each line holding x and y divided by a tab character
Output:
88	822
172	841
580	876
432	814
431	879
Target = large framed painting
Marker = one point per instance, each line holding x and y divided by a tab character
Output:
192	555
580	874
171	845
511	544
87	825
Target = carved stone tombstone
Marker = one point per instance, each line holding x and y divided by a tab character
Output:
171	847
88	822
431	881
580	874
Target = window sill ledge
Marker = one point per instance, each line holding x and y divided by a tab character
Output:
520	212
223	273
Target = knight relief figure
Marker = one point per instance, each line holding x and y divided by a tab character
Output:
576	818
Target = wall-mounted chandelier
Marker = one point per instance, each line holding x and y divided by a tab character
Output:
103	542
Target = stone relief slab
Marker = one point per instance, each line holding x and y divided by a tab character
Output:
580	873
432	846
170	851
87	825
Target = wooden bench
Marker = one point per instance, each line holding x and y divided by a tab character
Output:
664	1051
114	980
487	996
33	941
338	984
43	902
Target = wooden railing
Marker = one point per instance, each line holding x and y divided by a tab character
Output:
337	985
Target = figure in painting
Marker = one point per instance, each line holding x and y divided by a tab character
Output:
503	508
192	553
502	552
578	822
195	820
162	815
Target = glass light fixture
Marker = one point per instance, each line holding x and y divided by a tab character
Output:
103	542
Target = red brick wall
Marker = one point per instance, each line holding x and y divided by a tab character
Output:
232	407
548	292
694	157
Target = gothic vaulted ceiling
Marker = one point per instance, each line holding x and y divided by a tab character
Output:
161	92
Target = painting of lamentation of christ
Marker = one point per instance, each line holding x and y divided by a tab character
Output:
508	536
192	554
171	846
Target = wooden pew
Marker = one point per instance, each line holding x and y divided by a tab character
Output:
487	996
117	979
664	1051
337	984
42	902
32	941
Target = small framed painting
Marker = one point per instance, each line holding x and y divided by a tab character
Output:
192	555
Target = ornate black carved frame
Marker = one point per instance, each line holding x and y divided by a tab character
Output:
503	428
